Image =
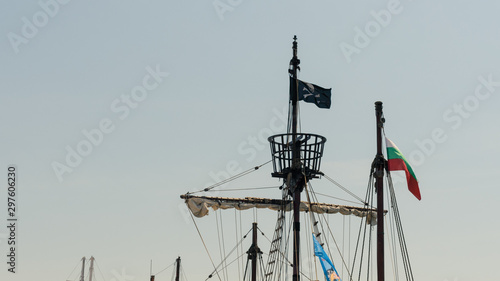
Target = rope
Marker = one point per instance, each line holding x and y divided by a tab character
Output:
223	240
236	234
246	268
99	270
183	273
349	248
392	244
399	227
369	262
354	202
284	254
172	277
262	232
370	239
164	269
312	223
336	246
232	250
362	253
78	263
368	195
218	240
328	227
227	265
246	172
261	271
308	248
343	242
241	245
344	189
204	245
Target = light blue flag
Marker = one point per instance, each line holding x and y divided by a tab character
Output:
327	265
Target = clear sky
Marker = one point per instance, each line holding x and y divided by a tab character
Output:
112	109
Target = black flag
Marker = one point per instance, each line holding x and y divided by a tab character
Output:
311	93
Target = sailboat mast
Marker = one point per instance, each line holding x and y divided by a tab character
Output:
379	183
91	268
296	182
178	268
294	63
256	251
83	269
152	277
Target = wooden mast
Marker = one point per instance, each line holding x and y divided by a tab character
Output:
296	182
379	185
91	268
152	277
178	268
254	252
83	270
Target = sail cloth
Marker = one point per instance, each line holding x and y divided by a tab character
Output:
199	206
396	162
311	93
329	270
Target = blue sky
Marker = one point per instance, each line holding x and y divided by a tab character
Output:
171	92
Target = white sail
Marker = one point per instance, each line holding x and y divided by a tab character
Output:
199	206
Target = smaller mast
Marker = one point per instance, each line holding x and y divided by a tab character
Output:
83	270
178	268
254	252
152	277
91	269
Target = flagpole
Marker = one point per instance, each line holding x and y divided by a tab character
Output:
379	183
296	182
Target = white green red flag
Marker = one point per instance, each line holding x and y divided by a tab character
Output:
397	162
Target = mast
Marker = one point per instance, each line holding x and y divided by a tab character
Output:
296	158
296	175
83	269
178	268
379	185
91	269
152	277
254	252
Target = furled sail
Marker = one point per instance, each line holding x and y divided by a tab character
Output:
199	206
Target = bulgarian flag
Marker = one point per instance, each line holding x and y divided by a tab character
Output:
396	162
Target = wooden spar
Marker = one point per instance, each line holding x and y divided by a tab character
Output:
379	183
178	268
276	202
152	277
254	252
83	270
91	268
